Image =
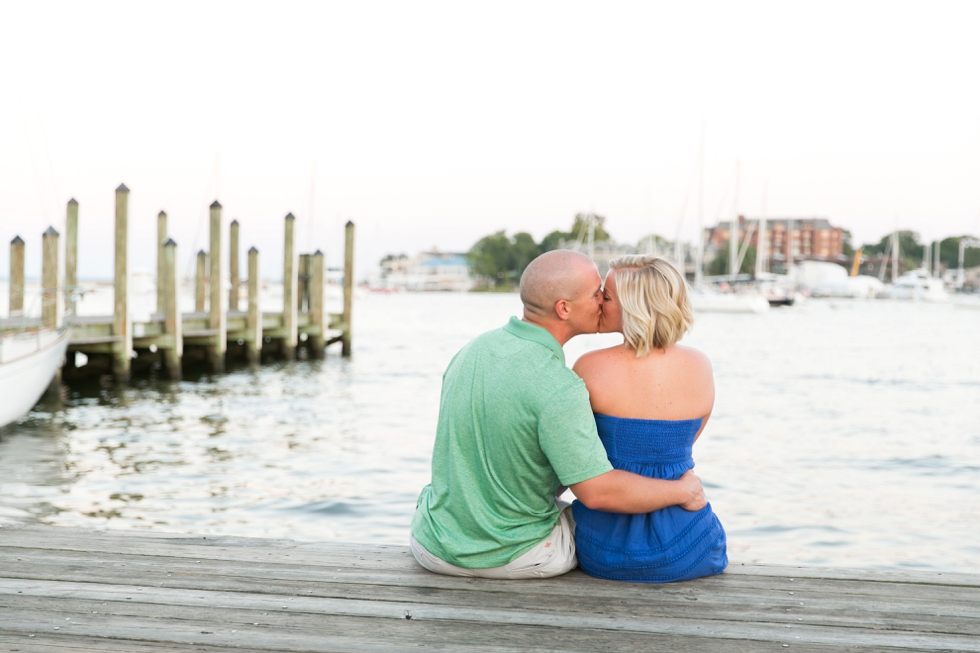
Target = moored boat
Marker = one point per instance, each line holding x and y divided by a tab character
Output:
918	285
28	362
707	301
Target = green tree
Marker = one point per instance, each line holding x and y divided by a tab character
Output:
553	240
659	241
580	227
523	251
719	264
911	249
949	253
503	260
491	257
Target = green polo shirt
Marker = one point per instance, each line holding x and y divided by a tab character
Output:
514	424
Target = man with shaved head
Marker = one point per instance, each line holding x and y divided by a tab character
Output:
515	427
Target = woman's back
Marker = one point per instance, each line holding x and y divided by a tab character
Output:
648	412
672	383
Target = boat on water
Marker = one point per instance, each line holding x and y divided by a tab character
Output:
704	300
918	285
29	360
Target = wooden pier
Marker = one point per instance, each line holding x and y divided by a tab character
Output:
81	590
215	332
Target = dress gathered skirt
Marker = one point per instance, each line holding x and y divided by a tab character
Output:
663	546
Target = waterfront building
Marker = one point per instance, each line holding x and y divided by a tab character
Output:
426	271
801	238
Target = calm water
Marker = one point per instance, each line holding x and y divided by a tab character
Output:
844	433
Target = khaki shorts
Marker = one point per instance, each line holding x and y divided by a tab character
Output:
552	556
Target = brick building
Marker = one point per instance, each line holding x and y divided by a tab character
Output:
808	238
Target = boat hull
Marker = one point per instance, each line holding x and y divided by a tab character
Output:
728	303
24	377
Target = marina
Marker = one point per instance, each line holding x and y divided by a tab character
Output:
82	590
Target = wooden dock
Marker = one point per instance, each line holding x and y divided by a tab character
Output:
216	329
80	590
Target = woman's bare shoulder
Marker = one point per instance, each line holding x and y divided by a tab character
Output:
594	361
695	378
692	357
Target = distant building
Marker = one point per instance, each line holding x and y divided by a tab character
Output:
807	238
433	270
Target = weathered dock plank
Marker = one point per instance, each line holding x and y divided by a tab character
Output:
77	590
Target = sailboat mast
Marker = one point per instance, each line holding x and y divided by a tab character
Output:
591	242
790	255
884	260
959	268
699	257
760	255
733	235
895	253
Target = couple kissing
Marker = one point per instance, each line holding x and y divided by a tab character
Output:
517	426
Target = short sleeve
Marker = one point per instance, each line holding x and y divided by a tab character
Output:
567	435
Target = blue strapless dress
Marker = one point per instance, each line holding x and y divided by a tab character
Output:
658	547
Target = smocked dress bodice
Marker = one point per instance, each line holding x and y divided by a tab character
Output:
657	547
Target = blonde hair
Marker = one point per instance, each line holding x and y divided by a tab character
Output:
656	304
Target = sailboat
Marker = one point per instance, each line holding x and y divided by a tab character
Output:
916	285
30	356
710	300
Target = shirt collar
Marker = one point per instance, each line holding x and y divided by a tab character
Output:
537	334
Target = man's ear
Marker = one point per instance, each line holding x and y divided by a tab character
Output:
562	309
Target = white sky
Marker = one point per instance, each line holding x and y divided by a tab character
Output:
432	124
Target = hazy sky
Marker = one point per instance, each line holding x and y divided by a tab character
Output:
432	124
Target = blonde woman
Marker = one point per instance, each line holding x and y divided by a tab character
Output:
651	398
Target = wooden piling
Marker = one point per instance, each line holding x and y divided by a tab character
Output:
216	316
161	270
348	286
49	279
200	281
289	279
71	253
233	266
16	277
253	341
303	284
121	324
208	326
172	322
317	340
49	295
